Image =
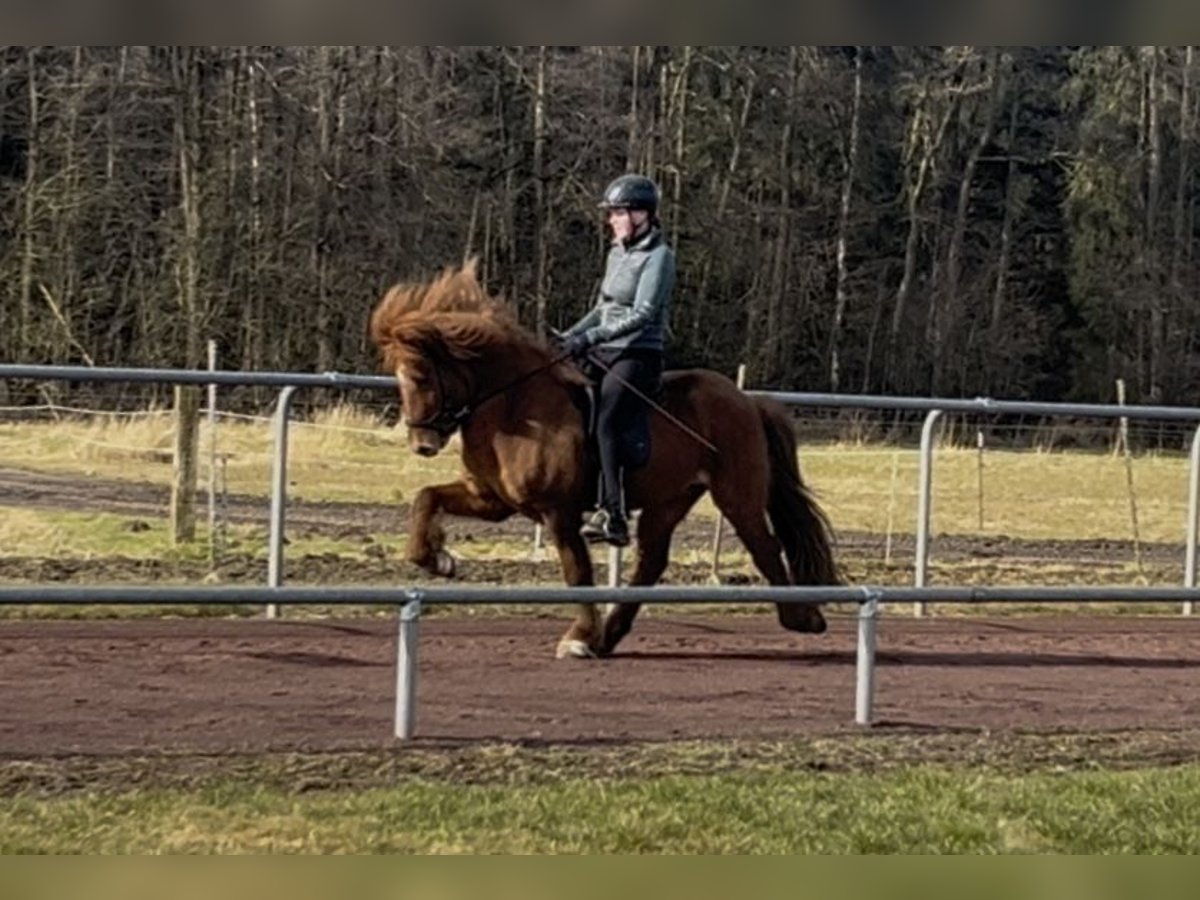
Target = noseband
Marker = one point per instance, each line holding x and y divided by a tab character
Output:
445	421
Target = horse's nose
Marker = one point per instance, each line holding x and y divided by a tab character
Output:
426	450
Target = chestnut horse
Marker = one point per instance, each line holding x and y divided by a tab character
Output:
464	363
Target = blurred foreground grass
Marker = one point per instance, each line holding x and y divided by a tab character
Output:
925	809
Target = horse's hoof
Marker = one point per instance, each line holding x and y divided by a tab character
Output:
574	649
444	564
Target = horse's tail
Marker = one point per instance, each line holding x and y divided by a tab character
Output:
800	524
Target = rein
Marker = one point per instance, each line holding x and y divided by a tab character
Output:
446	421
678	423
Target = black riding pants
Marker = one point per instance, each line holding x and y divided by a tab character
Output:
618	405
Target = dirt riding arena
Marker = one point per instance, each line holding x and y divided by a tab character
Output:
200	685
208	685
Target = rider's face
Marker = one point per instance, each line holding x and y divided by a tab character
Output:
625	223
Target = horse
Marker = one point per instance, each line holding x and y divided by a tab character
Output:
464	363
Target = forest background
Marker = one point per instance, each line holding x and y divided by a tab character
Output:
957	221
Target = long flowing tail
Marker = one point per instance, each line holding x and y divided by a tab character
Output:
800	524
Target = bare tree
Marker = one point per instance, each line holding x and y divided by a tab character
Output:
839	292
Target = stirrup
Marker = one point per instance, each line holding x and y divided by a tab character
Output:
605	527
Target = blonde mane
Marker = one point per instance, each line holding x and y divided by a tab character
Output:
454	310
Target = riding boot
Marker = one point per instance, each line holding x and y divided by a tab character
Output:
606	526
608	523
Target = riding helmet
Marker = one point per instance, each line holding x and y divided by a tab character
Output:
631	192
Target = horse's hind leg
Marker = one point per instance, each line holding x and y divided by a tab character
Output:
582	639
749	520
426	539
655	527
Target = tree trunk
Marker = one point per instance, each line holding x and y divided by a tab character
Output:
945	320
23	348
187	399
679	105
253	353
1184	173
914	189
1006	226
657	126
731	169
881	298
772	341
66	266
472	227
114	92
839	293
320	184
634	142
541	216
1152	281
926	136
187	135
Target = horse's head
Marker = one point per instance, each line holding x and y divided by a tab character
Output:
447	341
435	389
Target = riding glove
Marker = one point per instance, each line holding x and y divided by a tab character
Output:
576	346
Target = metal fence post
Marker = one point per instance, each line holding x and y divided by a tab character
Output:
924	492
615	561
1189	568
864	694
278	494
213	549
538	553
406	668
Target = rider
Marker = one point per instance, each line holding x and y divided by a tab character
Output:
624	331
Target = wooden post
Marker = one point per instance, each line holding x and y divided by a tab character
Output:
183	484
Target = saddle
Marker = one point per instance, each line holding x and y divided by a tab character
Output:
635	442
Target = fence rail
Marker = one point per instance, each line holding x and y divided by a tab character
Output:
411	600
934	407
196	376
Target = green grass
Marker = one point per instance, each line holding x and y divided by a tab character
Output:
321	453
347	454
1026	494
922	810
87	535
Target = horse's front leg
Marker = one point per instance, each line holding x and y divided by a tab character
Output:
426	537
583	638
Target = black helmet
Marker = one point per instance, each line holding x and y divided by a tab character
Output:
631	192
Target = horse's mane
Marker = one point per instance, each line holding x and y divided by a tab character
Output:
454	310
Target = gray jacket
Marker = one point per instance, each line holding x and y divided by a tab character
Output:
635	297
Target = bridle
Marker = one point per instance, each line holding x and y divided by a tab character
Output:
444	421
449	419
